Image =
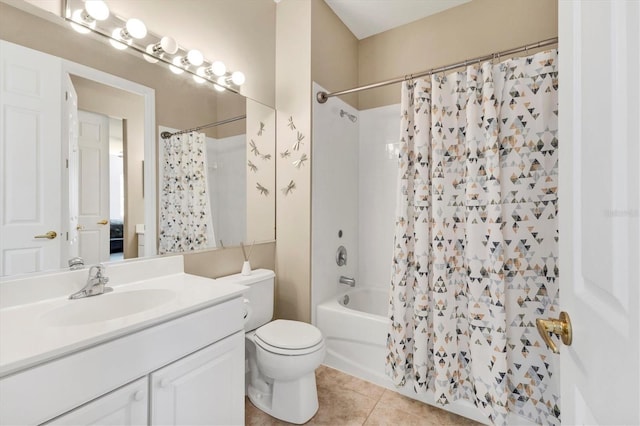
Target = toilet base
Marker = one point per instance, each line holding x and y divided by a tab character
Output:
294	401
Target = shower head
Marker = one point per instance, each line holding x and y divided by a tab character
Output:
351	117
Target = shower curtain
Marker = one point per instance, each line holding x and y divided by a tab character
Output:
185	213
475	246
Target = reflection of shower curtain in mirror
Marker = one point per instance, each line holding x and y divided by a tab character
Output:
185	214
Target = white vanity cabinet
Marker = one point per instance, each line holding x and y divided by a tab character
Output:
182	393
126	406
178	362
203	388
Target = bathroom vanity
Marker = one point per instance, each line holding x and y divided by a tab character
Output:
164	347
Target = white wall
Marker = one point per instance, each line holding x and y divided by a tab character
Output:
226	159
354	180
377	182
334	198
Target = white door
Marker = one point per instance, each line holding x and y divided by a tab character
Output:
205	388
123	407
599	210
93	201
30	160
70	181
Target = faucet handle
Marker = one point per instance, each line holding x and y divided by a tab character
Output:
99	268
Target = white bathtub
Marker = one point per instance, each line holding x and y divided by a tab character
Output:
356	334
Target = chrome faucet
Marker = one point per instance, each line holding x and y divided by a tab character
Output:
95	283
351	282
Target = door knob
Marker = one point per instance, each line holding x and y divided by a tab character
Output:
103	222
49	235
560	327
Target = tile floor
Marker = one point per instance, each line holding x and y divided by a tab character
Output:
347	400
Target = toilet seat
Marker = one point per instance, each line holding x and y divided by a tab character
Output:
287	337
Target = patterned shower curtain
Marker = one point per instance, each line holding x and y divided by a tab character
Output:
476	238
185	213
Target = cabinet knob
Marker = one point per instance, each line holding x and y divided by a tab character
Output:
138	396
164	383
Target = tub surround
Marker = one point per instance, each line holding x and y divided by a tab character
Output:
46	339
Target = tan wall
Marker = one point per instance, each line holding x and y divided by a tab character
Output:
239	33
473	29
293	221
334	62
98	98
226	261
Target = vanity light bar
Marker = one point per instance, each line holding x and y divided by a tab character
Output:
93	16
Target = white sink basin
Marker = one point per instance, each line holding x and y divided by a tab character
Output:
106	307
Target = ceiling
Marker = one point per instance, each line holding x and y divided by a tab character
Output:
368	17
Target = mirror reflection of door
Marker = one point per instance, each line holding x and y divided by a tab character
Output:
121	171
93	201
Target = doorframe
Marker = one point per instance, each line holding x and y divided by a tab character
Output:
149	172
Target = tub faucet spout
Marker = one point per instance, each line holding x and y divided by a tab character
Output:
351	282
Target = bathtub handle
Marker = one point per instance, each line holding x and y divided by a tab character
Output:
351	282
341	256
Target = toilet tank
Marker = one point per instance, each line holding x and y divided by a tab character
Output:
260	295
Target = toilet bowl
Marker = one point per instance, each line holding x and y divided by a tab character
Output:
281	355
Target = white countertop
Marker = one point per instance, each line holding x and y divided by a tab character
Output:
27	338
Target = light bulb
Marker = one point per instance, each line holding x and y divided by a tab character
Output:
136	28
97	9
176	67
195	58
166	45
218	68
197	79
218	88
238	78
114	40
77	16
169	45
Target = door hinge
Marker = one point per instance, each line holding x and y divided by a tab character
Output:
66	96
66	163
67	236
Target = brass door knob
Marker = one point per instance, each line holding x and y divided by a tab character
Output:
103	222
560	327
49	235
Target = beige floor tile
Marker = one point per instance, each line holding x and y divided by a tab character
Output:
345	400
431	414
329	377
388	416
341	406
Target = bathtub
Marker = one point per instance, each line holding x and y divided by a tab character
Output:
354	325
356	332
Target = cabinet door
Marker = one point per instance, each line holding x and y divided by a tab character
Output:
124	406
205	388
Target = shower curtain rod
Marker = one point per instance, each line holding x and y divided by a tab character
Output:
167	135
322	97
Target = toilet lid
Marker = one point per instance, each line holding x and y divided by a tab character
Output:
287	334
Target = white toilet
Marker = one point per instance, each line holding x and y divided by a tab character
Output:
280	356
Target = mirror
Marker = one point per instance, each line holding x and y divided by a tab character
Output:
179	104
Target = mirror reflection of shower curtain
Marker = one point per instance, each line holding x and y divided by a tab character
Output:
476	239
185	213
